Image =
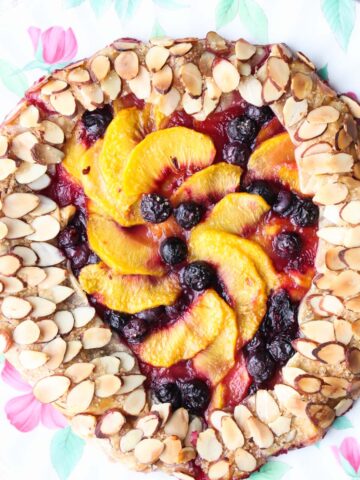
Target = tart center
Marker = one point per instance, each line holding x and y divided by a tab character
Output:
194	243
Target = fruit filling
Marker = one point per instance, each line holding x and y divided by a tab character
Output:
193	242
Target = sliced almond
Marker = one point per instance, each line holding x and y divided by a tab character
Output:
156	58
219	470
80	397
294	111
90	96
352	237
307	131
148	451
10	285
73	347
244	50
163	410
353	304
324	163
168	103
353	105
47	154
342	139
266	407
26	332
107	385
16	205
261	433
162	41
331	194
53	86
110	424
301	85
225	75
96	337
7	167
191	78
343	331
323	114
205	63
131	382
149	424
308	384
289	374
172	451
305	347
129	441
178	423
50	389
127	65
48	255
4	144
79	371
27	172
215	42
231	433
278	71
216	418
54	276
63	102
106	365
56	294
208	446
84	425
9	264
353	360
245	461
141	84
343	406
22	145
331	353
314	302
111	85
281	425
41	307
46	205
100	66
79	75
41	183
135	402
320	331
241	416
15	307
191	105
56	351
351	212
31	359
29	117
270	93
16	228
180	49
355	327
332	305
32	276
52	132
3	230
321	415
250	89
163	79
48	330
333	235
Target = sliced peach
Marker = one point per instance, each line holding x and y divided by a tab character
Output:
166	155
193	332
243	284
236	213
274	160
73	151
218	358
209	185
123	249
128	293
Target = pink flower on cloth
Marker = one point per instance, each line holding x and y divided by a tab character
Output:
57	45
25	412
348	455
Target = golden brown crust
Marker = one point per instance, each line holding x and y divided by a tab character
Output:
56	341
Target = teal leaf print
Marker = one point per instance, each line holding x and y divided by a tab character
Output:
100	6
66	450
73	3
342	423
157	30
170	4
340	15
225	12
271	471
323	72
12	78
125	9
254	19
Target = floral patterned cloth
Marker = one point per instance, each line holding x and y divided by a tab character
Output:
37	37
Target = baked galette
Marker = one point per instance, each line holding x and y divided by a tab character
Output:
180	247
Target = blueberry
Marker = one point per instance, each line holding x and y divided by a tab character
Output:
78	255
69	237
280	349
285	203
96	122
152	315
195	396
281	316
155	208
287	244
168	392
93	258
260	366
188	214
305	214
135	330
178	308
261	115
262	188
116	320
243	129
173	250
198	275
236	153
257	342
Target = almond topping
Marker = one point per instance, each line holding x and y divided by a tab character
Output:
4	144
244	50
278	72
27	172
307	131
46	205
127	65
83	315
281	425
40	183
331	194
353	105
100	67
73	347
351	212
162	41
111	85
129	441
96	337
191	79
324	114
141	84
64	320
163	79
294	111
54	276
31	359
6	340
163	410
289	374
15	307
305	347
219	470
343	406
84	425
107	385
178	423
49	389
22	145
3	230
56	351
353	360
301	85
308	384
191	105
17	205
26	333
148	451
172	451
110	424
343	331
48	330
342	139
208	446
332	305
215	42
7	167
78	75
321	415
79	371
156	58
320	331
250	89
231	433
131	382
16	228
266	407
149	424
80	397
225	75
45	228
205	63
106	365
270	93
180	49
63	102
261	433
353	304
135	402
41	307
331	353
241	416
9	264
216	418
48	254
245	462
168	103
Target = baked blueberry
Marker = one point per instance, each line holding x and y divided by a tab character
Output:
281	316
188	214
168	392
69	237
173	250
243	129
135	330
116	320
198	275
78	255
195	396
261	115
305	213
280	349
152	315
262	188
236	153
287	244
155	208
285	203
260	366
96	122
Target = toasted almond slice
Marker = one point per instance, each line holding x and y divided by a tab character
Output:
331	353
195	426
29	117
180	49
131	382
321	415
89	95
135	402
56	294
241	416
163	410
168	103
22	145
107	365
111	85
7	167
3	230
353	360
49	389
320	331
9	264
48	330
301	85
219	470
191	105
32	276
243	68
100	66
305	347
244	50
149	424
294	111
125	44
216	418
307	131
333	235
346	284
352	237
45	228
148	451
355	327
172	451
107	385
41	183
10	285
342	139
15	307
353	304
281	425
110	424
80	397
27	172
231	433
16	205
270	93
79	75
56	351
141	84
289	374
191	78
323	114
163	79
63	102
16	228
324	163
332	305
26	333
96	337
353	105
47	154
52	132
266	407
53	86
31	359
208	446
250	89
127	65
48	254
225	75
162	41
331	194
54	276
245	461
343	406
84	425
308	384
156	58
83	315
314	302
215	42
77	372
284	393
46	205
351	212
205	63
261	433
4	145
129	441
178	423
73	347
278	72
41	307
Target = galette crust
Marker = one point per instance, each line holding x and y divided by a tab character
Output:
54	338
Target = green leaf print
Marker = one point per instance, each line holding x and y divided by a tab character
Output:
66	450
100	6
342	423
323	72
272	470
170	4
225	12
340	15
254	19
12	78
125	9
157	30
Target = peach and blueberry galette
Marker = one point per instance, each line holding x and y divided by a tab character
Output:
180	251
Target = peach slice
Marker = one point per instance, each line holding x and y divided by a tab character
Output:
73	151
274	160
121	249
128	293
235	213
243	284
199	326
209	185
166	154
